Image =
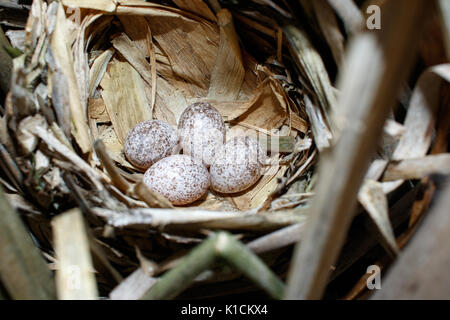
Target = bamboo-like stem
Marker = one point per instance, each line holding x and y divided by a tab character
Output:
133	286
377	65
349	13
418	168
221	245
23	270
185	218
75	277
179	278
239	256
277	239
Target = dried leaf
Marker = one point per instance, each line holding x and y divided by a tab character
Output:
321	132
136	29
97	110
198	7
63	57
125	98
418	168
311	63
103	5
133	287
228	73
98	70
373	199
420	119
190	59
114	146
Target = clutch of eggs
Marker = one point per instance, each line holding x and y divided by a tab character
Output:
183	179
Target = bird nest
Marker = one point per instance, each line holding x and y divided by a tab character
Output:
93	70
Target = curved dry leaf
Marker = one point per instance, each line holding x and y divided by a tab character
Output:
418	168
98	69
125	98
80	58
64	59
312	65
169	101
321	132
34	26
136	29
420	118
178	36
228	73
421	115
97	110
372	197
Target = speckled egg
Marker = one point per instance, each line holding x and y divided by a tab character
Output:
180	178
150	141
202	131
238	165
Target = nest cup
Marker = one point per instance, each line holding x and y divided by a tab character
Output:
90	74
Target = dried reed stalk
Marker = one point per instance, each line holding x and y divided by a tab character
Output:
74	273
375	70
349	13
445	13
196	219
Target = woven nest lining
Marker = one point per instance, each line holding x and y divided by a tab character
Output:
88	77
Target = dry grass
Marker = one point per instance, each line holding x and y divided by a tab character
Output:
334	93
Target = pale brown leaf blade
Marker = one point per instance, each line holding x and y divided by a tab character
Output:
373	199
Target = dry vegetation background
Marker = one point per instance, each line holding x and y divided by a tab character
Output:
358	119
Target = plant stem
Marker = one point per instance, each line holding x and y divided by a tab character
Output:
221	245
23	270
5	63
